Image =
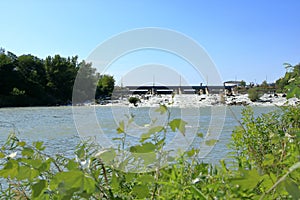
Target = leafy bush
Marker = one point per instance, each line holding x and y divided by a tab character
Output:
253	94
134	100
267	150
291	81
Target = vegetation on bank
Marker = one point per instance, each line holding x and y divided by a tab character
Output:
27	80
291	81
254	94
289	84
134	100
264	165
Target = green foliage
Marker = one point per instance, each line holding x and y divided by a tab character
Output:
290	83
264	84
243	83
265	165
30	81
105	86
178	124
85	85
17	92
293	88
253	94
266	148
134	100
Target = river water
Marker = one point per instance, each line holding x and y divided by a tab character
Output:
55	126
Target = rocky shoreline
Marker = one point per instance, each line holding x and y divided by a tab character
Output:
189	100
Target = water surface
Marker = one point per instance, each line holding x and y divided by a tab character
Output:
55	125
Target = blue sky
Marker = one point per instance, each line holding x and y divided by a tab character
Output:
247	40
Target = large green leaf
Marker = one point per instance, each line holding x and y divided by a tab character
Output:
178	124
211	142
121	128
114	181
107	156
248	179
81	152
294	91
72	165
162	109
143	148
10	169
37	189
140	191
39	145
146	178
151	131
35	163
27	152
27	173
292	188
73	181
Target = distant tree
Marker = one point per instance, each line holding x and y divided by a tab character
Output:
264	84
85	84
9	77
243	83
61	73
28	80
32	69
105	86
33	78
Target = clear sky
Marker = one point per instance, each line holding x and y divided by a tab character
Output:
247	40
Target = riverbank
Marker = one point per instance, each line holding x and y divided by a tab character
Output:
189	100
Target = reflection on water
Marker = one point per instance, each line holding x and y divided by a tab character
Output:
55	125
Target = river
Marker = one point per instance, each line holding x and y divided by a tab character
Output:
55	126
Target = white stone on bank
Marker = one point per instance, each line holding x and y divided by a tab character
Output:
194	100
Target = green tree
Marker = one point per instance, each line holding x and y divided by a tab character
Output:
105	86
8	75
85	83
264	84
243	83
28	80
33	73
32	69
61	73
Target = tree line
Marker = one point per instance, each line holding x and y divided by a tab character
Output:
27	80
